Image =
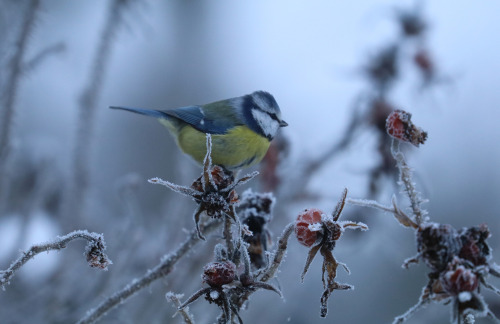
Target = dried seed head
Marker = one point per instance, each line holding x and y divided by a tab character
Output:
217	274
308	227
458	279
438	244
399	126
94	253
256	204
474	246
221	178
332	234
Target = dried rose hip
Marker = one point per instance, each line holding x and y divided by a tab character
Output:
399	126
217	274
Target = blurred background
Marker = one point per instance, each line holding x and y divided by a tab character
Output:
336	69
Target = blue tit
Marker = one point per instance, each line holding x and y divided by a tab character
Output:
241	128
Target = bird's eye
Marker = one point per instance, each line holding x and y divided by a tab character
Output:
273	116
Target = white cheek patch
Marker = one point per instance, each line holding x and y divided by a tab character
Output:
269	126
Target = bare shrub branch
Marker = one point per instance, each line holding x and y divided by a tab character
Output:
94	253
159	271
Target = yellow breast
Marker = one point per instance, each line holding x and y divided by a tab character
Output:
240	147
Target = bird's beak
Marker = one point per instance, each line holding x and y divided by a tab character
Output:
283	123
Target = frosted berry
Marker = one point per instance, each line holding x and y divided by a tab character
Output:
217	274
399	126
458	279
305	235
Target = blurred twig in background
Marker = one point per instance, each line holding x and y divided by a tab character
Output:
14	72
88	101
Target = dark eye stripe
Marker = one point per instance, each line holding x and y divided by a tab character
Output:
273	116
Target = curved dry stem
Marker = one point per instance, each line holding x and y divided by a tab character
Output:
161	270
186	191
310	256
278	255
196	216
340	206
400	216
423	300
94	239
195	296
263	285
174	299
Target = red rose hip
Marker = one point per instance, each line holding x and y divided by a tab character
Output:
305	235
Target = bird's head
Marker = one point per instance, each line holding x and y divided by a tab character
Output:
262	113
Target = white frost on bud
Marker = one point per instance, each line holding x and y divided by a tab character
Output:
214	294
464	296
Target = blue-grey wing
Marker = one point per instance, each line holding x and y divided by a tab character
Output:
203	120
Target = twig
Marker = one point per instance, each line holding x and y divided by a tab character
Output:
174	299
159	271
14	75
88	104
42	55
406	179
402	218
278	255
94	252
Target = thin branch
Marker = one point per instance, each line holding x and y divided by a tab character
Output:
88	104
13	77
42	55
402	218
406	179
159	271
174	299
94	252
278	255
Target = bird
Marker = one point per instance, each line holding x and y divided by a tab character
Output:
241	128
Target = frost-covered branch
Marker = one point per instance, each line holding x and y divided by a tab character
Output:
94	252
406	179
159	271
402	218
280	252
174	299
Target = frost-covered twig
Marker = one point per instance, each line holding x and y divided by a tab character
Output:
174	299
94	252
400	127
406	179
159	271
278	254
402	218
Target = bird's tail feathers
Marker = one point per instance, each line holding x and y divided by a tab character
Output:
147	112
